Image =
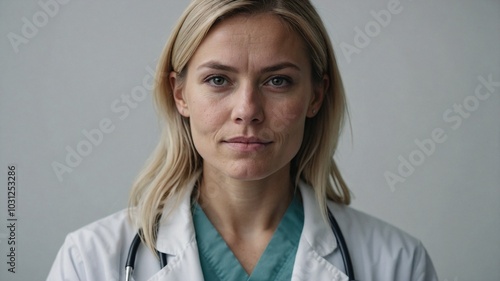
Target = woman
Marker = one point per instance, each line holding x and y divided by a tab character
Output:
242	182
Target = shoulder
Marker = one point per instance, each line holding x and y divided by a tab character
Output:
107	228
105	237
97	248
372	232
365	224
373	241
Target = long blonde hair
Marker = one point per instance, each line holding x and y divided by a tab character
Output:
175	162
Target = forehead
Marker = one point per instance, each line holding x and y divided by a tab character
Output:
252	40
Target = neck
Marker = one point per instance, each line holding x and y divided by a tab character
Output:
245	208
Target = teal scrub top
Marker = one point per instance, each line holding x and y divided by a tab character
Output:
276	263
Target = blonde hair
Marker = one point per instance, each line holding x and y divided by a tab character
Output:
175	162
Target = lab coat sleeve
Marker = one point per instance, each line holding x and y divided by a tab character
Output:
68	265
423	269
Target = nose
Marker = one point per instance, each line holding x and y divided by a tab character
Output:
248	105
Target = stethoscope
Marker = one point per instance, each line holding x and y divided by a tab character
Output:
346	258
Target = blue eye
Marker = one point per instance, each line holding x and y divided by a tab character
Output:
279	81
217	81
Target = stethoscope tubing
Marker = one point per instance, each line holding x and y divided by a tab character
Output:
132	253
344	252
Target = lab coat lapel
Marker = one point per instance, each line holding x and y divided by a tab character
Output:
316	242
309	265
177	239
184	266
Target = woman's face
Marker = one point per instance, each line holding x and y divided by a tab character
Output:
247	92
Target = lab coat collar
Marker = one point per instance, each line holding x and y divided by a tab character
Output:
317	242
316	232
176	237
176	227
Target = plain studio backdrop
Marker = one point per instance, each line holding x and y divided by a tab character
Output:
423	85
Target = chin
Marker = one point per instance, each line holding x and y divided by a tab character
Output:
254	173
248	176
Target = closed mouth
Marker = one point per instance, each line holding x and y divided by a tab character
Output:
247	140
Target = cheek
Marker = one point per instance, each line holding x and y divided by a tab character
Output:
202	112
286	125
203	128
288	117
206	118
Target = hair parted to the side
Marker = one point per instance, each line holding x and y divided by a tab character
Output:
175	162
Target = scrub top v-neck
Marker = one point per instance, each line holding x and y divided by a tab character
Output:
218	262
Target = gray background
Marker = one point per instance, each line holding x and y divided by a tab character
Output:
73	71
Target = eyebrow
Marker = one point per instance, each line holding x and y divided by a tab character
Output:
272	68
217	66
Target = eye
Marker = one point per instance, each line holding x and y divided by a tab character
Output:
279	81
217	81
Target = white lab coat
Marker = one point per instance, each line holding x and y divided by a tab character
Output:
379	251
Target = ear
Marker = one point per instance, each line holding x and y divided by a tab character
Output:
317	97
178	93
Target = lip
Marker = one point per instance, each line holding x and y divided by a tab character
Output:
246	144
247	140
